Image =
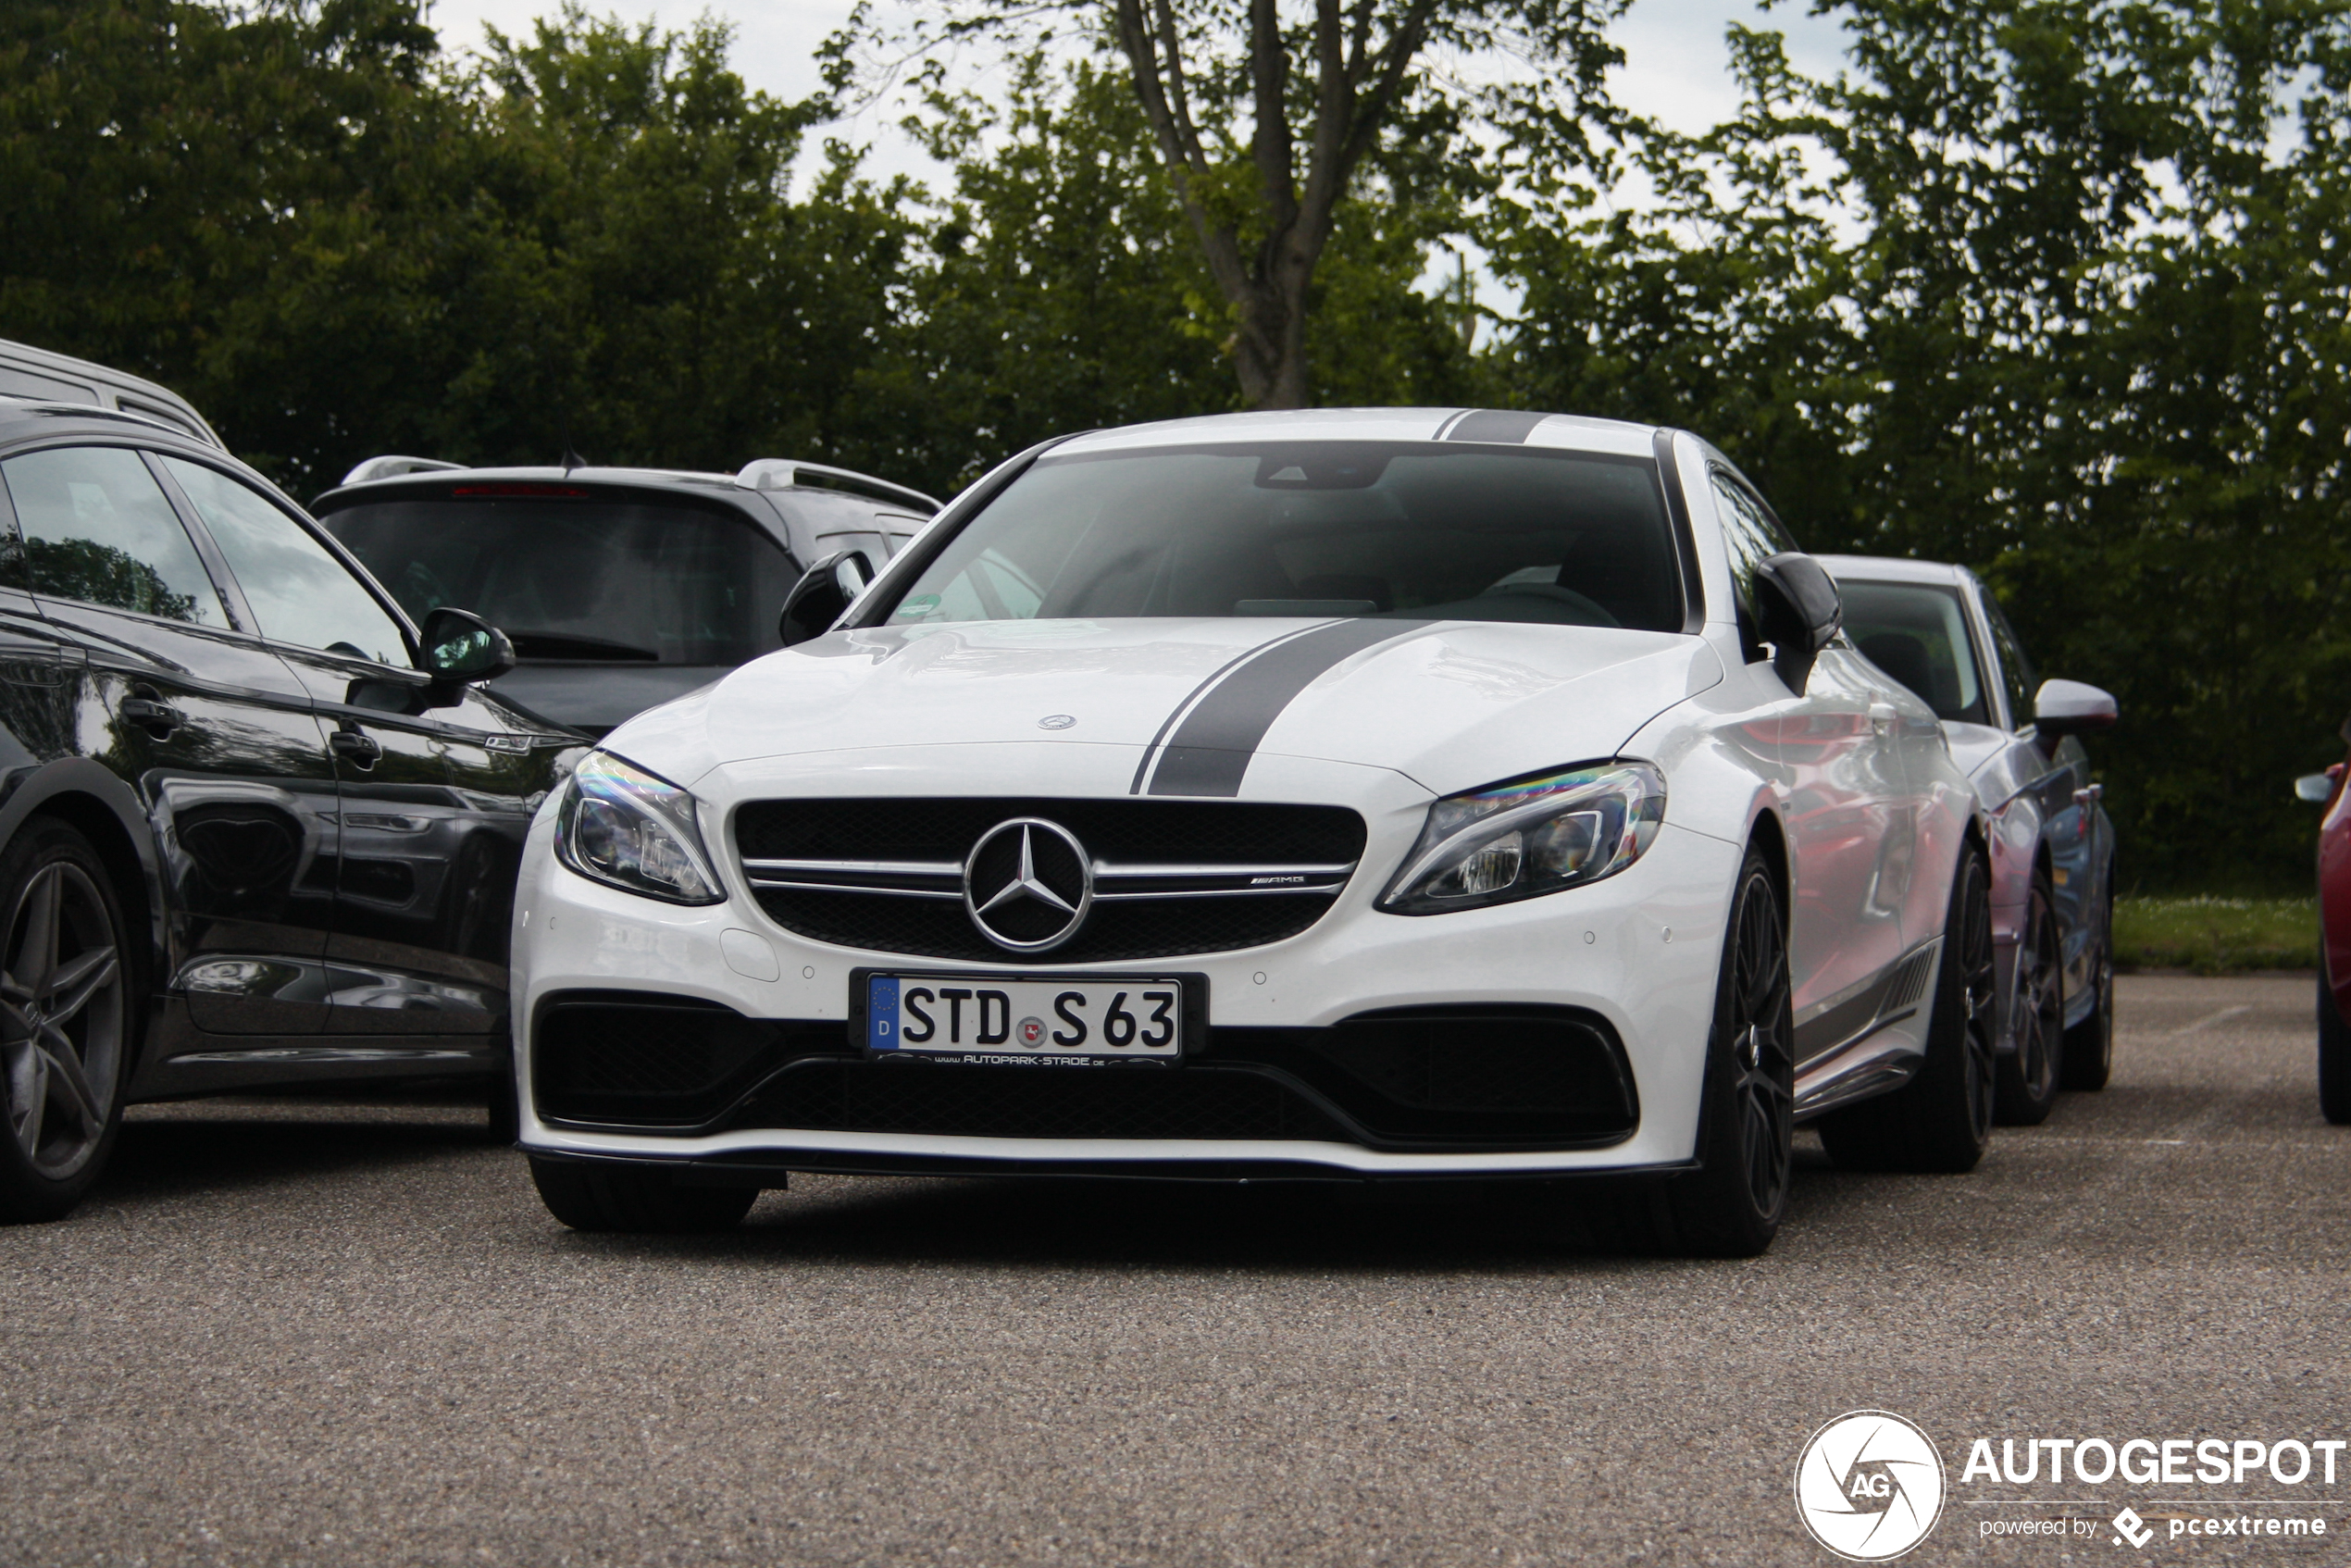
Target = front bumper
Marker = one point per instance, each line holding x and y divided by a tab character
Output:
1634	957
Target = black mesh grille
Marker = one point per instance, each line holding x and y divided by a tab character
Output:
1120	1102
1132	832
624	1057
1495	1075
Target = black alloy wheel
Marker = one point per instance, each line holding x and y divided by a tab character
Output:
1732	1204
2028	1077
2089	1045
1941	1120
66	1021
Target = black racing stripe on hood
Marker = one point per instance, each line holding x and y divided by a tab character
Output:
1501	426
1150	752
1212	748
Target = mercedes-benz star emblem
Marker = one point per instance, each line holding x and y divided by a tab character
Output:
1058	721
1028	885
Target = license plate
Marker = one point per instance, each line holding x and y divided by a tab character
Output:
996	1020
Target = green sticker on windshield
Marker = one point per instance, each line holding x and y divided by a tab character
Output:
920	604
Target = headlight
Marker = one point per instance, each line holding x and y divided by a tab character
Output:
1530	837
621	826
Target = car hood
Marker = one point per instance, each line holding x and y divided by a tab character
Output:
1451	704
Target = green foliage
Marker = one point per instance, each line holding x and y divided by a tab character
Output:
2053	288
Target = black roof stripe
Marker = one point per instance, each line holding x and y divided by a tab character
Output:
1505	426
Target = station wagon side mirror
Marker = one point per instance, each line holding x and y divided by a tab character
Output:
1800	608
2318	789
456	647
823	592
2069	707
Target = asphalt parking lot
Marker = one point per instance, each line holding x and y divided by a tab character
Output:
304	1332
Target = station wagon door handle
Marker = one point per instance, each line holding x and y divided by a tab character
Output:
355	744
158	718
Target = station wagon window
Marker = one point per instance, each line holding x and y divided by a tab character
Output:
1750	535
98	529
296	589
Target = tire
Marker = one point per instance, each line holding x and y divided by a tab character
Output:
1941	1120
1732	1204
2334	1058
68	1020
2026	1080
2089	1045
642	1198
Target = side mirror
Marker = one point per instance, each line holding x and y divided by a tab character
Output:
2068	707
2318	789
1800	610
458	646
823	591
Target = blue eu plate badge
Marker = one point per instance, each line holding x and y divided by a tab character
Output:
881	1013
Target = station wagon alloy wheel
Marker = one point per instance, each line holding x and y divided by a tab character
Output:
62	1012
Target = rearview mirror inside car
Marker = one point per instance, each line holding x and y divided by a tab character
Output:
1800	609
823	591
459	646
2068	707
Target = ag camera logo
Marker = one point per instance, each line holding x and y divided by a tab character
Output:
1870	1485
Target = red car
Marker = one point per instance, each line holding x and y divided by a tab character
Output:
2334	927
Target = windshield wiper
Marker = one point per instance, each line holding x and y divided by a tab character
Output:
564	645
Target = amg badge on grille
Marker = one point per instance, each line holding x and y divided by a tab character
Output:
1029	884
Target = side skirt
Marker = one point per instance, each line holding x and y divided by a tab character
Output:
1875	1054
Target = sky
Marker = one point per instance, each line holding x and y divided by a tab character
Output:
1674	69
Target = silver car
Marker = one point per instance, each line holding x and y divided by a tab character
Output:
1938	630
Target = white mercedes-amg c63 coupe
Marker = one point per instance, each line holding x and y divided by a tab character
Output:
1352	793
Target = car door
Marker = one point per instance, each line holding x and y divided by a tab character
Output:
1846	811
168	684
436	787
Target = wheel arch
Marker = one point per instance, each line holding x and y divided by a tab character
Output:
95	802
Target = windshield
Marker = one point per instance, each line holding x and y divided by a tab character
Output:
588	579
1413	529
1917	633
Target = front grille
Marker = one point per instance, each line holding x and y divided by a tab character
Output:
645	1058
968	1102
1170	878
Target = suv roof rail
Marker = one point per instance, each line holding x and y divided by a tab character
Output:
785	473
93	411
391	467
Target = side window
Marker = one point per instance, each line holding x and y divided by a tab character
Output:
1750	534
2016	670
97	528
298	590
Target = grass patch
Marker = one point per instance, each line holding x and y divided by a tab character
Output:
2216	936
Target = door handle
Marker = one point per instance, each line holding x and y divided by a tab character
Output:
357	747
157	719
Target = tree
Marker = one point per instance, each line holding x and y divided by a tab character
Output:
1371	90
